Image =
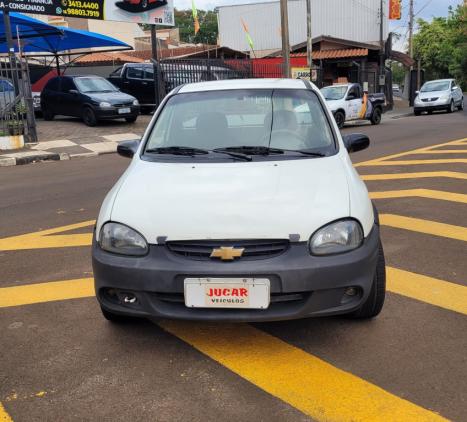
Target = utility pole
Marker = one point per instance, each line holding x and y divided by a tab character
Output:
285	38
411	17
155	63
309	39
382	71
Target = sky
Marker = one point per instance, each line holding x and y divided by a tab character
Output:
425	9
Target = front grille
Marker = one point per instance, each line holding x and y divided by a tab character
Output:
201	250
123	104
275	297
425	100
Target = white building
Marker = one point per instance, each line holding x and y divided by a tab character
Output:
353	20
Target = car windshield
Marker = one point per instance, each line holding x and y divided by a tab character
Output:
435	86
94	85
249	121
334	92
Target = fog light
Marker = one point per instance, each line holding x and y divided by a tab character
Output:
351	291
129	298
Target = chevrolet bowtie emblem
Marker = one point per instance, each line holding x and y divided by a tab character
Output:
227	253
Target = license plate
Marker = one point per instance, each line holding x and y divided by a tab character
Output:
124	110
251	293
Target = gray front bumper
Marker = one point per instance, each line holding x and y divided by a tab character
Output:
317	283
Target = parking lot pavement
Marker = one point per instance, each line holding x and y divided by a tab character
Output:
64	138
61	361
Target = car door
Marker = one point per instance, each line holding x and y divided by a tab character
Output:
50	96
456	93
148	83
353	103
70	103
133	82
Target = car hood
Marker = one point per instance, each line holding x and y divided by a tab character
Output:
241	200
111	97
432	94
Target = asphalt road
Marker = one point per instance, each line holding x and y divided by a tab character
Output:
61	361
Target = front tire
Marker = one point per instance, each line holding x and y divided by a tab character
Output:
373	305
461	105
376	117
451	107
131	119
89	117
417	113
47	115
340	119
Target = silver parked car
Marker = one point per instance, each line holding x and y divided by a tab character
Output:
442	94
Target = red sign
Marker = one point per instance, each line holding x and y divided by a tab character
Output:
394	9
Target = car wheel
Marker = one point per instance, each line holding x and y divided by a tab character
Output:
147	110
461	105
451	107
417	113
89	117
340	119
430	111
376	117
47	115
131	119
373	305
116	318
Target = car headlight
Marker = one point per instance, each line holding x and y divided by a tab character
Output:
105	104
123	240
338	237
444	97
136	102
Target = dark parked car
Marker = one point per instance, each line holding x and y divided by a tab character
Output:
138	79
90	97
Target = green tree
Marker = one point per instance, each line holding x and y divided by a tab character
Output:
441	45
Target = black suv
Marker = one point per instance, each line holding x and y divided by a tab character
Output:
90	97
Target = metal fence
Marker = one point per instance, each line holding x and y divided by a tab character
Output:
16	103
176	72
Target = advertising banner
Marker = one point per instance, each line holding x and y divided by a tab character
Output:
394	9
159	12
304	73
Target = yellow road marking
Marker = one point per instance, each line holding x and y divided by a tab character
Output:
434	291
306	382
418	175
46	292
382	160
443	151
423	193
48	238
424	226
4	416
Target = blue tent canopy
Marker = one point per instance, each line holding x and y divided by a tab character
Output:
55	40
26	27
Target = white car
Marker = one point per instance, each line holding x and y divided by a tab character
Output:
240	204
442	94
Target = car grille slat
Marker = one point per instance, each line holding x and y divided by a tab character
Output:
253	249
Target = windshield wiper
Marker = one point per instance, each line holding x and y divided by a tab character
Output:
262	150
176	150
250	150
180	150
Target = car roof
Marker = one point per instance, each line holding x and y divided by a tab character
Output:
440	80
229	84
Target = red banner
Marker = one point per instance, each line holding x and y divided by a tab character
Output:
394	9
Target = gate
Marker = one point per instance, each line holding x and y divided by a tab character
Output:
16	103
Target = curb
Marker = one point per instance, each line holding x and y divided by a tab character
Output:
6	161
400	116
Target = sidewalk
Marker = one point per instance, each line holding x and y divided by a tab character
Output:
67	138
401	109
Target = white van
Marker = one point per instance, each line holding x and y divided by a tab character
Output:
240	204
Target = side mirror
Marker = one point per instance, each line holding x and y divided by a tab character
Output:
356	142
128	148
417	92
73	91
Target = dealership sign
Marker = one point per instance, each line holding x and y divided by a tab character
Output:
159	12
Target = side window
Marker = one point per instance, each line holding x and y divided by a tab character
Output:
149	72
53	84
67	84
135	72
116	73
353	91
454	85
